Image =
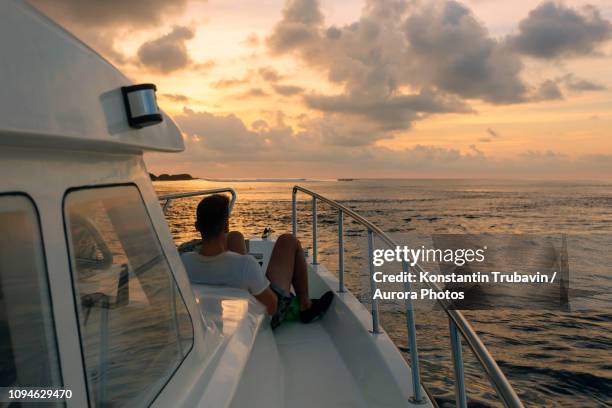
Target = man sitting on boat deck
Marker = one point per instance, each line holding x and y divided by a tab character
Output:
223	260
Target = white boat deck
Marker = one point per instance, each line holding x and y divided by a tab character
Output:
334	362
299	367
315	372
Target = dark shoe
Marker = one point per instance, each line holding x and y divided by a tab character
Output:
318	308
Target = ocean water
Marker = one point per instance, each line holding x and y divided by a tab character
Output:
552	358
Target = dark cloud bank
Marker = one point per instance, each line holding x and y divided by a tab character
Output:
214	140
552	31
435	45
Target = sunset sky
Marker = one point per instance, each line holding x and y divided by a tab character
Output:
339	88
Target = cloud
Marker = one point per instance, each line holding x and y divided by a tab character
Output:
287	90
548	90
455	52
542	155
553	30
225	138
169	52
260	125
252	41
133	13
491	136
334	130
269	74
396	47
434	44
371	58
603	159
359	55
300	23
101	23
575	84
216	143
476	151
203	66
175	97
492	133
253	93
401	61
391	113
222	134
229	83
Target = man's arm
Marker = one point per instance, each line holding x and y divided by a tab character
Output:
269	300
256	281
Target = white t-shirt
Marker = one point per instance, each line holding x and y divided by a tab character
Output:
226	269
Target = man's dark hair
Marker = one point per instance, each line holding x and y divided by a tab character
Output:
212	214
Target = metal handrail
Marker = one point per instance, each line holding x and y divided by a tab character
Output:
457	322
169	197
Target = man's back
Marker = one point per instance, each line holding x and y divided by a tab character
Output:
227	269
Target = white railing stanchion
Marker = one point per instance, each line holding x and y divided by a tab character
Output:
294	212
314	232
460	397
412	342
340	251
375	328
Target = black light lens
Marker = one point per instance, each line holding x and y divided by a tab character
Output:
141	105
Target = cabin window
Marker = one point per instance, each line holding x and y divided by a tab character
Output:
135	328
28	350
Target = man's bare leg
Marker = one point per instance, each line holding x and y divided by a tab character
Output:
287	266
235	242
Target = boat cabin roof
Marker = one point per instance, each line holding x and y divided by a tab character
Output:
57	92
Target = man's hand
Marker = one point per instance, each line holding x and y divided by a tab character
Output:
269	300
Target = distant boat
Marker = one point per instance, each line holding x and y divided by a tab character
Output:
346	179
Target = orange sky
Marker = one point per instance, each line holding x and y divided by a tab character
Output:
378	88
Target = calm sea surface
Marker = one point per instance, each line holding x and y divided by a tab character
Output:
552	358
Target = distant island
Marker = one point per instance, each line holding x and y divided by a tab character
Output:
255	180
170	177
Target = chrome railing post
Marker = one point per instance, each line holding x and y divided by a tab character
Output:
169	197
375	328
412	341
232	201
166	205
340	251
314	231
294	212
460	397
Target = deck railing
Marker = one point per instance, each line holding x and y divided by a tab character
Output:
458	324
459	327
167	198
